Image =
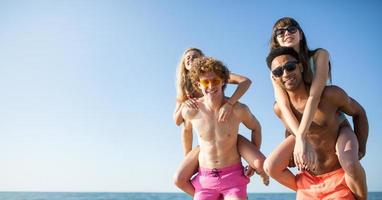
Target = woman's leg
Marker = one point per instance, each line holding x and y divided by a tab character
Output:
276	164
347	151
187	168
253	156
291	159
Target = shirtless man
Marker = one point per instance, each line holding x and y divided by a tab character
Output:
327	180
221	174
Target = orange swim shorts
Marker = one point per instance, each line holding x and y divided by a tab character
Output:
324	187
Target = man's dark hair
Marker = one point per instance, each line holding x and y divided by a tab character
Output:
281	51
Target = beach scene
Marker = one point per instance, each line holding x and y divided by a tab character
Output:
90	94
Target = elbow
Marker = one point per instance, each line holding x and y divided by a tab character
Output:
259	129
363	112
180	180
360	112
248	82
178	121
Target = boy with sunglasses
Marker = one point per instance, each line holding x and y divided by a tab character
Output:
221	174
327	179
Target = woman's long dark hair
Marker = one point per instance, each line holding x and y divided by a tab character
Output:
305	53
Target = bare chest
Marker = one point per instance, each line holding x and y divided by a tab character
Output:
324	125
209	128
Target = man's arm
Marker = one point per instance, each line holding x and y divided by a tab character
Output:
250	121
352	108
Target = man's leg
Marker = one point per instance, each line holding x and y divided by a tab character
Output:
347	151
276	164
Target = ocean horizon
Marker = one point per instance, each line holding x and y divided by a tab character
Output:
139	196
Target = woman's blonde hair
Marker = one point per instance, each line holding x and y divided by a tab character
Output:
184	87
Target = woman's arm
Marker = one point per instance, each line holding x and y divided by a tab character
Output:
321	58
243	84
177	116
302	156
282	100
190	103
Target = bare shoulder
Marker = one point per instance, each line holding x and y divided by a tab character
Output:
334	94
240	107
276	109
321	53
242	111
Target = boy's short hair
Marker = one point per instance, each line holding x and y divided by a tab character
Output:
208	64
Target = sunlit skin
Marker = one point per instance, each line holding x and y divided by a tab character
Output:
289	39
304	156
189	57
246	148
217	140
323	132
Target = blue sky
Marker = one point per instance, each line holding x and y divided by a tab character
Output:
88	87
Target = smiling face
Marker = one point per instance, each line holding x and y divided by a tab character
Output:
189	57
210	84
288	36
290	78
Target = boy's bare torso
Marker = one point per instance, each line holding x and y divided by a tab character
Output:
218	140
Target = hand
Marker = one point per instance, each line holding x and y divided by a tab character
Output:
249	171
191	103
225	112
265	178
304	155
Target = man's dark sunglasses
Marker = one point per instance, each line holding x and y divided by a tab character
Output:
279	71
281	31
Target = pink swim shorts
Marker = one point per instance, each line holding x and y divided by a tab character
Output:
211	184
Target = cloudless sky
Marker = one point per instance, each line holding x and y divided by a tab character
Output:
87	87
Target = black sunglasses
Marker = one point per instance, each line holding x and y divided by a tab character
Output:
279	71
281	31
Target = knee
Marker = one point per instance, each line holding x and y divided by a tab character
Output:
258	164
179	180
269	168
272	168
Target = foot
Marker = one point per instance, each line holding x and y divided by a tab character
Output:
265	178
